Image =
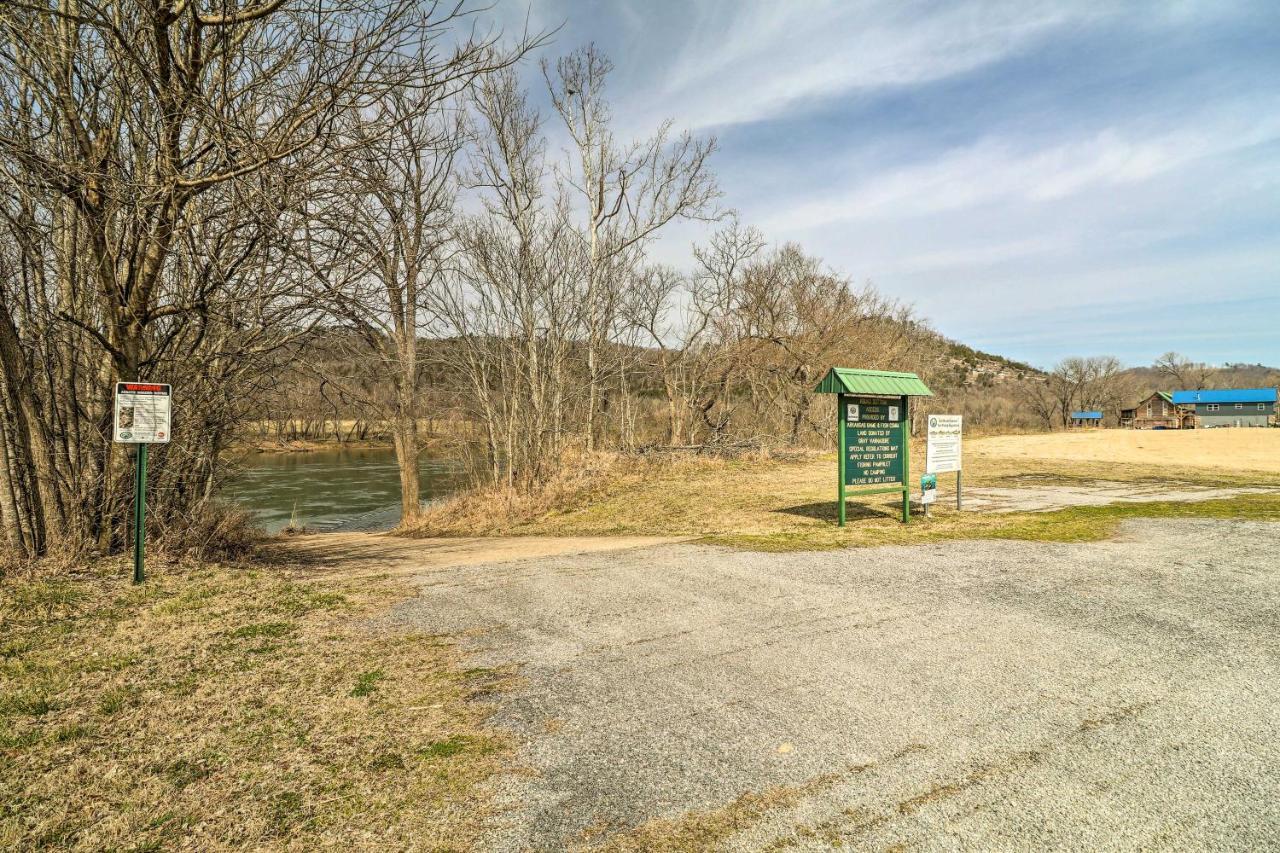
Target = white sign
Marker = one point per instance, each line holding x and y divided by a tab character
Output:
893	413
929	496
851	414
942	453
142	413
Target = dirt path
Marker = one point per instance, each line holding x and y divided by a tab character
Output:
379	553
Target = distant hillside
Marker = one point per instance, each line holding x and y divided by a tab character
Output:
968	367
1150	379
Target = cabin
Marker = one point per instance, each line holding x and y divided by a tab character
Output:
1159	412
1230	407
1086	420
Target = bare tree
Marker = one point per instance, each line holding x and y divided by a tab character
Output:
625	195
123	127
1181	371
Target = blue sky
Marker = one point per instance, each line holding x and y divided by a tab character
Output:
1038	179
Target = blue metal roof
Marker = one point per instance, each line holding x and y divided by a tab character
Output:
1086	416
1228	395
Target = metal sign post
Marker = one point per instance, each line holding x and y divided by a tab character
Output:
141	417
139	514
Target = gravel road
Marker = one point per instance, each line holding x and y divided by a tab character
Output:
973	695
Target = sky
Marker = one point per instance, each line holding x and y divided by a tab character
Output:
1038	179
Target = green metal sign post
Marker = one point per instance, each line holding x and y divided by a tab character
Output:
873	425
140	515
141	418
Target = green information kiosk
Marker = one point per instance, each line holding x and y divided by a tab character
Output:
873	413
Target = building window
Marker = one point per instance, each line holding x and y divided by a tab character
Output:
1262	407
1212	407
1239	405
1164	409
1148	410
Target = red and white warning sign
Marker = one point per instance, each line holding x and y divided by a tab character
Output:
142	413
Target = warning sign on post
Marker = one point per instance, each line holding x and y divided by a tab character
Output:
142	413
942	453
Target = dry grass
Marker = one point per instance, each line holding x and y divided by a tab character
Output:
1207	450
788	504
232	708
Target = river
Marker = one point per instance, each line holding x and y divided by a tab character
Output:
341	489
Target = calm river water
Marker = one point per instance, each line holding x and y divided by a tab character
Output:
333	489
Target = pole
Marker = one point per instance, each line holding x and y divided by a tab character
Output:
140	514
958	491
841	451
906	460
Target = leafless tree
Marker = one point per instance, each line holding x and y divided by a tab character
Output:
626	193
1181	371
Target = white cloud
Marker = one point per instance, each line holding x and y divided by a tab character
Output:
999	169
745	63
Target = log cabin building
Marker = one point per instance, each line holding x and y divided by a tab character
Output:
1158	412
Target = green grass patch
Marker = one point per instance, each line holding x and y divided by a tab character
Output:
456	745
1073	524
367	683
262	629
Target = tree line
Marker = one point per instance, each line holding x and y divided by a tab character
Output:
301	208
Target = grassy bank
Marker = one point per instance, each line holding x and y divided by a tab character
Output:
763	502
241	708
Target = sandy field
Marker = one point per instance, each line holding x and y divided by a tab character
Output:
1227	449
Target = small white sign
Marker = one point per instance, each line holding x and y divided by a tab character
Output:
929	496
893	413
942	452
852	413
142	413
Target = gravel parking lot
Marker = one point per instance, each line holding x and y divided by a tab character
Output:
972	695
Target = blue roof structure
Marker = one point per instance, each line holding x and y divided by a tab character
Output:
1086	416
1228	395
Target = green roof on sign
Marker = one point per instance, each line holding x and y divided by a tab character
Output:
846	380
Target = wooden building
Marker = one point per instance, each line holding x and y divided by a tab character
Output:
1158	412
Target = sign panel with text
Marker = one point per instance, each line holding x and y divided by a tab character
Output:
873	442
142	413
942	453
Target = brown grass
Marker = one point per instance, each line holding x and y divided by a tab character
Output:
232	708
769	503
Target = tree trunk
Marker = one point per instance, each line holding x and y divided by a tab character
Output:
405	437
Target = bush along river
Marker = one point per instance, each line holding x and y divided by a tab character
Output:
330	490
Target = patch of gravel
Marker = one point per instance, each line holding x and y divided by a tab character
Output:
970	695
1101	493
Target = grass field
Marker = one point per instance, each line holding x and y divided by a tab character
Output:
233	708
790	503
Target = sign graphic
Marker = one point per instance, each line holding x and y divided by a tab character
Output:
873	444
142	413
928	488
942	453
